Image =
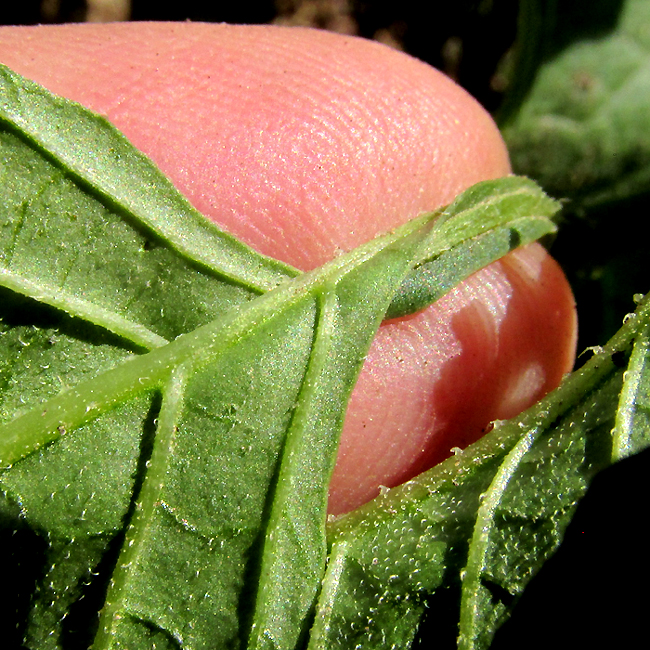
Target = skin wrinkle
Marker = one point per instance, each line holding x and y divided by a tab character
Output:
299	189
319	188
385	138
328	131
402	340
356	229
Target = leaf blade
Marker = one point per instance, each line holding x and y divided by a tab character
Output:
445	508
632	428
580	132
560	466
483	224
97	154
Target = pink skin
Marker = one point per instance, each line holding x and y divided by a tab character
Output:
305	144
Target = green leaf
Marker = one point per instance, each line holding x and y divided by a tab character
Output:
545	28
527	507
98	159
476	528
480	226
583	130
170	400
632	430
245	436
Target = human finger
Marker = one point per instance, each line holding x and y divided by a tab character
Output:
306	144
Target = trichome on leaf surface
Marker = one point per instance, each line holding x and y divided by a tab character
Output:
172	400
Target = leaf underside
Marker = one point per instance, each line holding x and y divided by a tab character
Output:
480	525
170	405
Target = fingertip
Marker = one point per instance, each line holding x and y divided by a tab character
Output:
490	348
